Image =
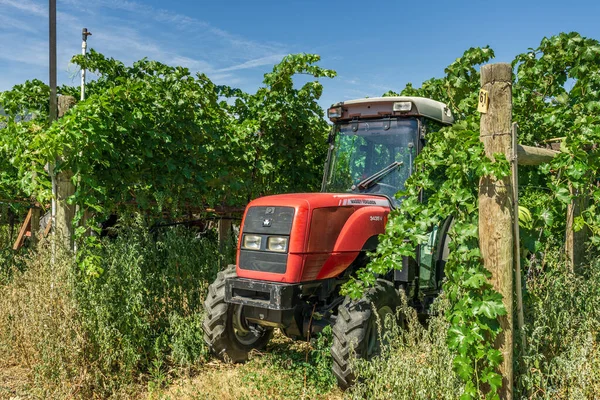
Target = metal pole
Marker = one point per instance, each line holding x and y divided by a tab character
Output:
52	60
517	239
84	35
53	95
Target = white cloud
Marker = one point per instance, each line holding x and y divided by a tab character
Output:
190	63
248	48
15	23
258	62
225	79
32	52
27	6
127	31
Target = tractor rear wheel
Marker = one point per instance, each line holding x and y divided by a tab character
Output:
226	332
356	331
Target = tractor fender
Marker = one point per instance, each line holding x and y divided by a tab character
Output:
362	225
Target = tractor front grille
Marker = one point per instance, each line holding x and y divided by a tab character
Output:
279	220
265	222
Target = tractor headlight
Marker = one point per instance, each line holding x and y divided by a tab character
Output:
277	243
402	106
334	113
252	242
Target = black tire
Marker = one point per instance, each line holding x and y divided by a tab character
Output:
222	331
355	330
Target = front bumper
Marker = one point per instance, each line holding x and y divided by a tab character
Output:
261	294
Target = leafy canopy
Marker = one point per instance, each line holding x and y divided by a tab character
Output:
156	137
555	94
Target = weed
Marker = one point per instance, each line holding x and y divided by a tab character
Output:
187	342
39	325
414	360
562	357
141	317
285	372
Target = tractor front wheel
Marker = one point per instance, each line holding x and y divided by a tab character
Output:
356	330
226	332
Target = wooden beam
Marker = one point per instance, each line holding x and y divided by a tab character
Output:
496	208
36	213
23	231
48	227
529	155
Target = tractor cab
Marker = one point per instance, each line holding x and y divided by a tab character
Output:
296	250
374	142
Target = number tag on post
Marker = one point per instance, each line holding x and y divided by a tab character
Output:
482	107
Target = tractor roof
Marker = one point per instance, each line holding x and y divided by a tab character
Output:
380	106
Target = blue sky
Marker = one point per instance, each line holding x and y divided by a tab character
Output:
373	45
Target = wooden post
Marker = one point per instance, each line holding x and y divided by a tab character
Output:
575	241
224	231
11	223
26	224
65	213
496	211
36	213
65	103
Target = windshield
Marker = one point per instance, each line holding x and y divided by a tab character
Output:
380	152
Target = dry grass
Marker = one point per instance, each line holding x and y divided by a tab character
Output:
38	329
277	373
228	382
261	378
15	382
47	353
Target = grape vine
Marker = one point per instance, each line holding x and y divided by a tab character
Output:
156	137
556	94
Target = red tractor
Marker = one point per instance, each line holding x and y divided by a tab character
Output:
296	250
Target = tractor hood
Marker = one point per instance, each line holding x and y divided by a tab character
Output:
319	233
317	200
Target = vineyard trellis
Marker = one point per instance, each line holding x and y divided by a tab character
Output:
555	93
155	138
455	160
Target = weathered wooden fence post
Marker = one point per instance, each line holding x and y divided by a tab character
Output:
575	240
36	213
65	213
225	226
496	209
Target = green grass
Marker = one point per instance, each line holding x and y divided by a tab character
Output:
282	371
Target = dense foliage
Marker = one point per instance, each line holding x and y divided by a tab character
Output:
157	136
555	95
